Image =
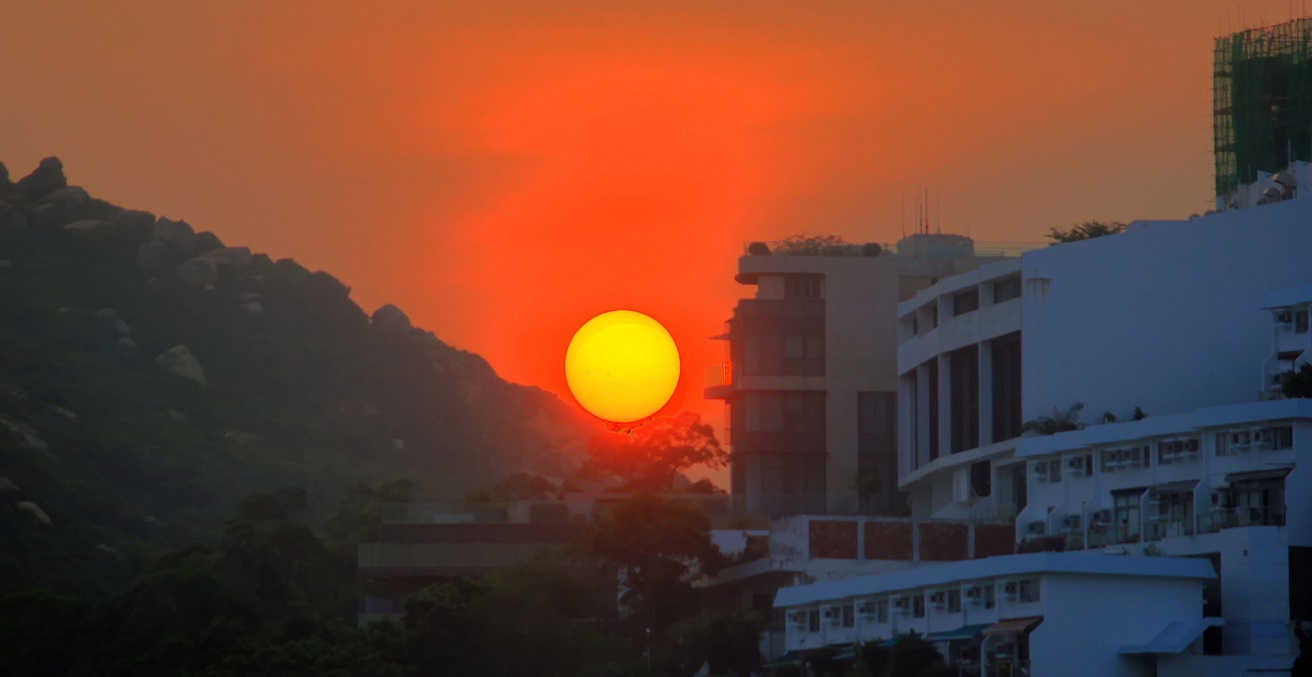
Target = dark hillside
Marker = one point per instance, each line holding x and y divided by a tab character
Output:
150	377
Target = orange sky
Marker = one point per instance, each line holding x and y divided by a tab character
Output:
504	171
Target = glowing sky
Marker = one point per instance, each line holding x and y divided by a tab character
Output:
505	171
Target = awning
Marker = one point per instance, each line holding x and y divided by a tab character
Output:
1175	487
1255	475
963	632
847	653
1177	636
790	658
1012	626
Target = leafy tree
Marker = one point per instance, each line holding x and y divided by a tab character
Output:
1302	666
872	659
1086	230
657	547
911	656
1060	421
520	486
360	514
648	458
1297	383
728	643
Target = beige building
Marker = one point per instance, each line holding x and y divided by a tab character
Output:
811	377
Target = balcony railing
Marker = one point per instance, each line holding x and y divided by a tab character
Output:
1156	530
1230	518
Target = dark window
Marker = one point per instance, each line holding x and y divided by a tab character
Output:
954	601
963	392
1006	387
1006	290
1300	322
876	443
1125	514
1212	601
933	409
965	301
803	286
918	606
849	618
813	620
1019	490
981	478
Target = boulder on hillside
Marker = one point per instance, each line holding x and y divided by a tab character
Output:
68	195
46	178
23	434
110	319
4	175
200	271
392	320
230	256
152	255
36	512
206	242
178	235
14	223
86	225
179	360
133	222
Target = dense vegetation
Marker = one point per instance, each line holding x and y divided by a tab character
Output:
107	459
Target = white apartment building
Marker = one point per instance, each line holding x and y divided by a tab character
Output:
1031	614
1232	484
1166	318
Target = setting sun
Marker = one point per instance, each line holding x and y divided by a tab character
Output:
622	366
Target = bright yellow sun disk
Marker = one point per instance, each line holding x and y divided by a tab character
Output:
622	366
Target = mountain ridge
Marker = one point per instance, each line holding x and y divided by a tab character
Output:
151	376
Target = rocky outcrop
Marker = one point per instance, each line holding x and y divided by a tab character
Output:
36	512
4	175
179	360
230	256
253	308
206	242
178	235
110	319
151	256
133	223
12	223
68	195
7	486
200	271
47	178
86	225
23	434
392	320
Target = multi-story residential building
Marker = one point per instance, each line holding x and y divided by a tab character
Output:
811	381
1166	318
1232	484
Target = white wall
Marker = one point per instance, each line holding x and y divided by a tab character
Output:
1164	317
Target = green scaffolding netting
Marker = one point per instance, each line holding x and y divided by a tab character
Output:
1262	108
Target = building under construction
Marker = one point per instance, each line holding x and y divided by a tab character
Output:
1263	106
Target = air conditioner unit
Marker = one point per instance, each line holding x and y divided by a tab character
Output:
1191	445
1037	527
1041	471
1262	438
902	604
938	598
797	618
1220	499
1075	465
831	614
974	593
1010	588
1103	516
1285	317
1071	522
866	609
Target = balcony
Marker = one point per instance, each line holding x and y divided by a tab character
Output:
1231	518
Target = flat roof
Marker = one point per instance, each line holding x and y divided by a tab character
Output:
1287	296
996	567
1163	426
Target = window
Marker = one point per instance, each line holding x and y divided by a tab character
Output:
849	618
803	286
990	596
963	390
1028	591
813	621
1125	515
1124	458
918	606
1006	290
1177	450
1300	321
881	611
954	601
1006	387
965	301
